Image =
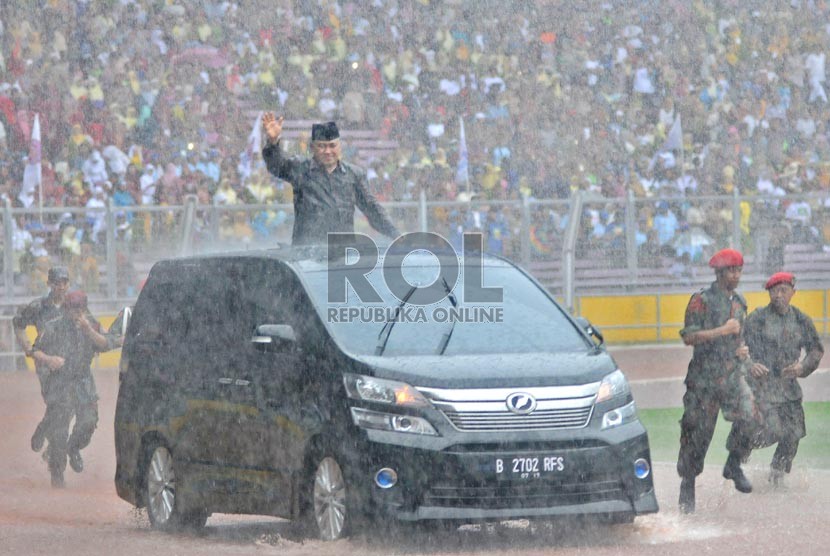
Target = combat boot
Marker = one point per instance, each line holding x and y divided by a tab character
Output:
687	496
776	477
57	479
732	471
38	438
76	462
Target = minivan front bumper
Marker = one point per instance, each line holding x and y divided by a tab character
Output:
461	481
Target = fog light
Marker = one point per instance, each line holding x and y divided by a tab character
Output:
641	468
386	478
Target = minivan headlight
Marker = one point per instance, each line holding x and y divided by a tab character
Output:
612	386
392	392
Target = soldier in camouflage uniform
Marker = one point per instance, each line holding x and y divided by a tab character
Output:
714	317
64	350
37	314
776	335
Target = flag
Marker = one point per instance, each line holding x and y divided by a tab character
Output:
253	146
462	175
32	178
674	141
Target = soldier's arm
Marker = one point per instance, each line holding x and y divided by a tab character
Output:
813	347
22	339
23	318
693	332
92	330
43	352
810	362
369	206
731	326
753	341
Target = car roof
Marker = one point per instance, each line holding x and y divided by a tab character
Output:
314	258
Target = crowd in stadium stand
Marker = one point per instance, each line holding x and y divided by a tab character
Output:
145	101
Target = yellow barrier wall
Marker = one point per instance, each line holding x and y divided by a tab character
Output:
620	318
638	314
659	318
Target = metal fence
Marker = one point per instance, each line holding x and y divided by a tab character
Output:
565	242
584	228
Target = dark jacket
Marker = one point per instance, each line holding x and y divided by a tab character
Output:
37	313
62	337
713	361
776	341
324	202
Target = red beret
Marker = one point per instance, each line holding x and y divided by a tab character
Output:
780	278
726	258
75	300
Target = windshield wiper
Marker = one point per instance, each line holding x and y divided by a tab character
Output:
388	325
445	339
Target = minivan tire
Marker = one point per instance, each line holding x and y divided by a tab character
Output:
164	501
330	512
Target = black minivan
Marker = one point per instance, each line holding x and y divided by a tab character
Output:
250	384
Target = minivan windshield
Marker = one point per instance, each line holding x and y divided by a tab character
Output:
525	321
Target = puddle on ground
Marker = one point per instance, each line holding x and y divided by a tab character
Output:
664	528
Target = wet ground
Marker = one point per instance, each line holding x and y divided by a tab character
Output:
88	518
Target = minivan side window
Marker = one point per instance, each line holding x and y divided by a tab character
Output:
262	297
212	308
272	294
159	316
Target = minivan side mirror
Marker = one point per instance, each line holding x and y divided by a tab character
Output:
590	329
273	336
127	313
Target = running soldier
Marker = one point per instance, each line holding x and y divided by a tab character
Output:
37	314
776	335
64	350
714	317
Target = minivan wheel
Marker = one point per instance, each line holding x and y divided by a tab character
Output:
164	501
329	507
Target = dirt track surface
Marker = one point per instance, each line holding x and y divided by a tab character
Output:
656	374
88	518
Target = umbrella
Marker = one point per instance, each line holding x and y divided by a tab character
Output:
202	55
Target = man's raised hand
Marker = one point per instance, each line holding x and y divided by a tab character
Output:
272	126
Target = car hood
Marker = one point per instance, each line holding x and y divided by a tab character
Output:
493	371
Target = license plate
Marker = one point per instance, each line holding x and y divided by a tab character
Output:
528	467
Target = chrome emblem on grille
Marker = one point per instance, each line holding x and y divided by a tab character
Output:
521	403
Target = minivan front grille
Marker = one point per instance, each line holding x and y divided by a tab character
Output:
505	420
487	409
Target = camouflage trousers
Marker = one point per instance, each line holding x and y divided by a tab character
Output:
701	404
65	397
784	425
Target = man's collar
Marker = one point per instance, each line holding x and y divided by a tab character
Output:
338	168
723	291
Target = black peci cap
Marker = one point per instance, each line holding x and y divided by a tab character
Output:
325	132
